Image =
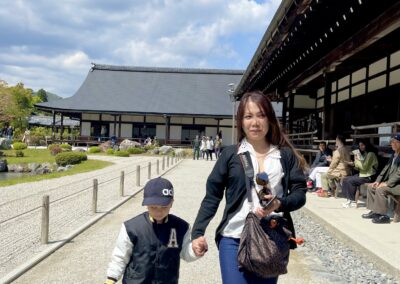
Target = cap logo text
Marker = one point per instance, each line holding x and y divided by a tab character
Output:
167	192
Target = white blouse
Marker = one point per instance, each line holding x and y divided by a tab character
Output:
273	167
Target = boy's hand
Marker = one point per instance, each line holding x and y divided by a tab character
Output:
200	246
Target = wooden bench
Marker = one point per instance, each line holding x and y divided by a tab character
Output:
396	211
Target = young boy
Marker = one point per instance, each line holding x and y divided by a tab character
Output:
150	245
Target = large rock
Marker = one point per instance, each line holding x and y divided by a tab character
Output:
5	144
165	149
105	145
126	144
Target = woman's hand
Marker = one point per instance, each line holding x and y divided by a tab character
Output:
275	204
200	246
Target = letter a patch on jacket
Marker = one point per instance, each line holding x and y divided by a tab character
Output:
173	241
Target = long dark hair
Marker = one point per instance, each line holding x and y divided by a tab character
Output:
275	135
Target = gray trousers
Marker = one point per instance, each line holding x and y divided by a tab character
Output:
377	200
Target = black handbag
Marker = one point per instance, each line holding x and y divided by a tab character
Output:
264	243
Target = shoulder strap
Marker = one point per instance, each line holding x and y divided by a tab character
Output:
249	172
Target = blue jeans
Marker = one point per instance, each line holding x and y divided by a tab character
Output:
228	249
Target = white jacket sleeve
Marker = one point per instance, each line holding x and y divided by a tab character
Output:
120	255
187	252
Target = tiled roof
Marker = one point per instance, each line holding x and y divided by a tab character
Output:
146	90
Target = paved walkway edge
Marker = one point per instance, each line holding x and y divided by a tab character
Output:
360	249
17	272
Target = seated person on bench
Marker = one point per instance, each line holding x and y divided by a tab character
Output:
366	163
320	165
388	182
340	166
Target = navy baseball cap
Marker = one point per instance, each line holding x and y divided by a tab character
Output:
158	191
397	137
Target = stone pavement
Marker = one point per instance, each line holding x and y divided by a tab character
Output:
380	242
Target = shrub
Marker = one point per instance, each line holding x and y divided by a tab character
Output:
136	151
19	146
66	147
149	147
121	153
94	149
55	149
110	151
19	153
70	158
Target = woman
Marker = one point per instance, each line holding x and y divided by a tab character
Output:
217	146
340	166
366	163
259	133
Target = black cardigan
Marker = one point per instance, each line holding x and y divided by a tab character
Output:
228	176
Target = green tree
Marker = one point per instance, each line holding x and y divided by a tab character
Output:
42	95
20	107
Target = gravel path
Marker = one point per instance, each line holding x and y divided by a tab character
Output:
70	206
322	259
85	261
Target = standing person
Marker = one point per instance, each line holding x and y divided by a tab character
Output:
258	133
203	147
196	147
209	147
27	137
10	132
217	146
150	245
366	163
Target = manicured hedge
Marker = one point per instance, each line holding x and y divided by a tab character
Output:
19	146
66	147
121	153
136	150
94	149
70	158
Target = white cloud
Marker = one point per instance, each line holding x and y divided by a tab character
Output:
50	44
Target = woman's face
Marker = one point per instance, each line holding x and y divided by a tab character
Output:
255	123
361	146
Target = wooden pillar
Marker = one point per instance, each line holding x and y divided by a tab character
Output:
167	120
291	111
53	126
61	126
119	128
115	126
326	123
284	111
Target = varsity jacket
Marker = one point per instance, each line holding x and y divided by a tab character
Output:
228	178
147	252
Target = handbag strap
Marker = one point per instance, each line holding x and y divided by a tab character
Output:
249	172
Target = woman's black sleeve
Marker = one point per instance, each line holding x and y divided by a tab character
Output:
216	183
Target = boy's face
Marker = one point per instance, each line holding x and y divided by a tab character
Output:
158	212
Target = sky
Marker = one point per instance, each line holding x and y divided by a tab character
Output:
51	44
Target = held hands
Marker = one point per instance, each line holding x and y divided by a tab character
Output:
200	246
275	204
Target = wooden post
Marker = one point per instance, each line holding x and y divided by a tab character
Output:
94	197
121	184
158	166
167	161
149	171
163	163
45	220
137	175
